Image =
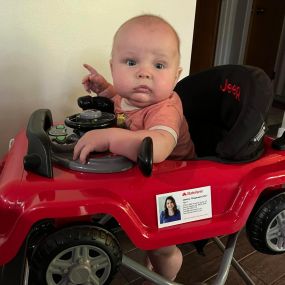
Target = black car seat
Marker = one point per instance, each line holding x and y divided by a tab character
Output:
226	108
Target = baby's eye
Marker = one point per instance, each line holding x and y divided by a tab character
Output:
130	62
159	65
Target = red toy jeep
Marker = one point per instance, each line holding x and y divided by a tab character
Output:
56	214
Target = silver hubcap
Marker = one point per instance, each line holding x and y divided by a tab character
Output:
275	235
82	264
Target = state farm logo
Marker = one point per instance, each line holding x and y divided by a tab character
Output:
231	89
186	193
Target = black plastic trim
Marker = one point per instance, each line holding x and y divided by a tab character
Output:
38	158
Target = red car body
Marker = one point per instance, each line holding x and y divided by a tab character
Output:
27	198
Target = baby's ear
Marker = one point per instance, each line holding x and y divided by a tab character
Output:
178	73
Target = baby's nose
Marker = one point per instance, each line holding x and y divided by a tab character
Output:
144	74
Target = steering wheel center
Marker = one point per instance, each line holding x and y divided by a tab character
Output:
90	114
90	120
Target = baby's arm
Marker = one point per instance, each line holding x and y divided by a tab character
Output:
96	83
124	142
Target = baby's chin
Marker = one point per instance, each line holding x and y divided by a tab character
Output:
138	103
140	100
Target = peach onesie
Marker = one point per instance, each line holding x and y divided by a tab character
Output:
165	115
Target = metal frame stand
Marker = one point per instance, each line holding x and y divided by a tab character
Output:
281	128
146	273
228	259
223	271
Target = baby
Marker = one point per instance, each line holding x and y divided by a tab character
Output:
145	68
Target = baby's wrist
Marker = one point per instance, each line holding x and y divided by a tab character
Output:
108	91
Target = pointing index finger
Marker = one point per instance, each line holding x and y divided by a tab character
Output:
91	69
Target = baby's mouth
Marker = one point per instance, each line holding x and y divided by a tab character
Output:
142	89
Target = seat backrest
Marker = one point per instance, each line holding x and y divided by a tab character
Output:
226	108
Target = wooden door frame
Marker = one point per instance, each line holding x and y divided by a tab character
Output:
279	82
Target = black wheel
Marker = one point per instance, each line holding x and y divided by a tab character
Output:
76	255
266	226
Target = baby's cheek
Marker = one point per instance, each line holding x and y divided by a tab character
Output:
165	90
122	86
167	83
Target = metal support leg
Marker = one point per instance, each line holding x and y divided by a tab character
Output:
222	275
145	272
228	259
282	127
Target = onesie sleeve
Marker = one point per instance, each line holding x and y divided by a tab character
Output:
166	116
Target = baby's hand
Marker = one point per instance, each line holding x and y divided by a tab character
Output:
94	81
96	140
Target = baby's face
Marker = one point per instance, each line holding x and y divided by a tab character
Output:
145	63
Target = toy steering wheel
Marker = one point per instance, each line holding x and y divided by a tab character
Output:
90	120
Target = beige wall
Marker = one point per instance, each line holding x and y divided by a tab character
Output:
43	44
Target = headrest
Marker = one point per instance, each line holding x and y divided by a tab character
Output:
226	107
